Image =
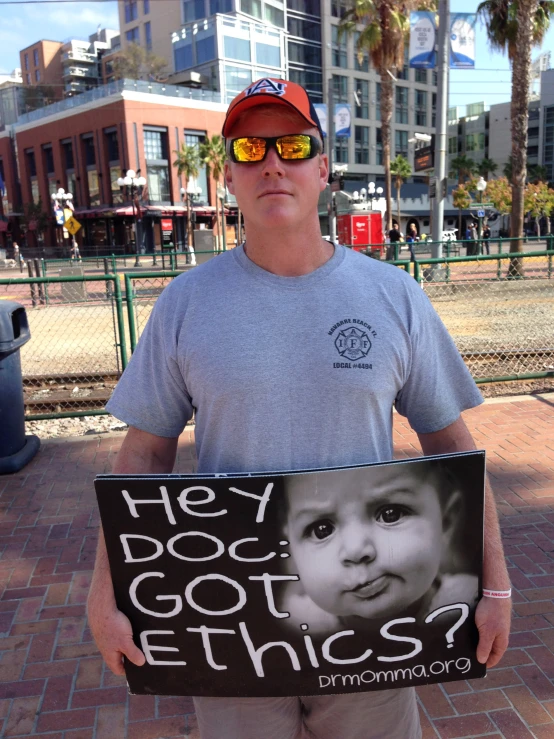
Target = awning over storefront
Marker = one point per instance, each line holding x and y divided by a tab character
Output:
147	211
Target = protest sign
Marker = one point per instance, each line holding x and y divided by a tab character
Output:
306	583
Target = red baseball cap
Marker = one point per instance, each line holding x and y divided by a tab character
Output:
269	91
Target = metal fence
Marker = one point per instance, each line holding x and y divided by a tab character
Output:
83	326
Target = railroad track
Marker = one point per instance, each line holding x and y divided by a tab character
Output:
64	393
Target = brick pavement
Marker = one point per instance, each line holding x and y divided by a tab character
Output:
53	683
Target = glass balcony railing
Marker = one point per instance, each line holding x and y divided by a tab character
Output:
119	87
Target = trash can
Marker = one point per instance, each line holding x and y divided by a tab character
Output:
16	449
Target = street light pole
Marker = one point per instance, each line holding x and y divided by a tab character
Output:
135	183
442	126
481	187
221	196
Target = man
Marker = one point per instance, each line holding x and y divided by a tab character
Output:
395	237
292	352
486	239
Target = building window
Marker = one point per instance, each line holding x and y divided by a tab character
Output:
401	143
434	110
475	141
361	152
363	65
340	88
421	76
221	6
182	54
548	151
339	8
205	48
193	10
35	57
28	78
146	7
157	165
420	107
37	75
341	150
26	58
339	57
148	35
89	158
310	7
236	48
88	151
251	7
112	146
31	163
401	110
453	145
362	98
236	79
131	11
403	73
309	80
48	159
304	28
67	148
273	15
378	146
195	138
132	35
304	54
268	55
378	101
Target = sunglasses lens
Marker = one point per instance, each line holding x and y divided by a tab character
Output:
294	147
249	149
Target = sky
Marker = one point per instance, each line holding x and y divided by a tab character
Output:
22	24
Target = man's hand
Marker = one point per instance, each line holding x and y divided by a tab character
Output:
113	635
492	618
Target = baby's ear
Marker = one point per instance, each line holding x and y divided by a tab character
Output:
451	515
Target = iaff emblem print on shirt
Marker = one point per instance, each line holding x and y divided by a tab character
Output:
353	341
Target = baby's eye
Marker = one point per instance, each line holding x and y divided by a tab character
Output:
391	514
320	529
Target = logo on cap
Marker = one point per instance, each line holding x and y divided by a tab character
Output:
266	86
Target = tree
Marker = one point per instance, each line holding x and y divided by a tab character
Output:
36	219
487	167
136	63
507	169
537	173
212	155
538	202
383	27
515	27
499	193
400	169
462	168
461	200
188	164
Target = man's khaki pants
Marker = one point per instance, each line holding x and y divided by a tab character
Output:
387	714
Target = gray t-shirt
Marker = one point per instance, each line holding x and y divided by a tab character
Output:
289	373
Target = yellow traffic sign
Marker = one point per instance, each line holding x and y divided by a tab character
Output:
72	225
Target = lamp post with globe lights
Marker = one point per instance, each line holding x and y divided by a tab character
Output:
135	183
481	187
60	201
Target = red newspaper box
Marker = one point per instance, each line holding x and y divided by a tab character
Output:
361	229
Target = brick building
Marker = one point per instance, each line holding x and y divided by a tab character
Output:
85	143
41	64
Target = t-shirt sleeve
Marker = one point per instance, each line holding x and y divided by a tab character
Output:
151	394
438	387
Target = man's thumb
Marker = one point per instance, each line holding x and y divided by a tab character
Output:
133	654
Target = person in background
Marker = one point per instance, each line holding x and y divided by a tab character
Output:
18	256
486	239
395	237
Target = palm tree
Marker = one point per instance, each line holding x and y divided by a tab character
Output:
188	164
400	169
537	173
515	27
487	167
461	200
212	155
385	26
462	168
507	170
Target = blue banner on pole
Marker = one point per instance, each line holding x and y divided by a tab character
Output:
321	111
462	40
343	119
423	31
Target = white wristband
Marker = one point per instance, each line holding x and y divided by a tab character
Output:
497	593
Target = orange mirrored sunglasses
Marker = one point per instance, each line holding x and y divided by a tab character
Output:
294	147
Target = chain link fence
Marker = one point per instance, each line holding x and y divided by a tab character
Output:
501	318
83	325
78	342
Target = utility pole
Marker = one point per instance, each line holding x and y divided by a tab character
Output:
442	125
331	154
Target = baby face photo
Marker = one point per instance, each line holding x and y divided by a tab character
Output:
371	544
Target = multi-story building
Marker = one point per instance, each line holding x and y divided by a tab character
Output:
546	130
41	64
468	133
500	136
84	144
82	60
150	24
